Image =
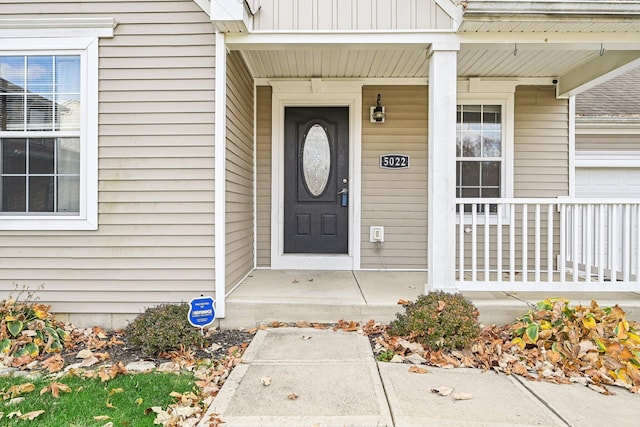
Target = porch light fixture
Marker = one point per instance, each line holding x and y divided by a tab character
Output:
378	112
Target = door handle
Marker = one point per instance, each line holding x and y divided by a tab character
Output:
344	197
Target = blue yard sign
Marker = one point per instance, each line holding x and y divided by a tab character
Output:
201	311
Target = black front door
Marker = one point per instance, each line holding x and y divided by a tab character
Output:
316	174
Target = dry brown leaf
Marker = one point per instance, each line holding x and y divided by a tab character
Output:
18	389
30	416
292	396
101	417
418	370
54	363
21	361
55	388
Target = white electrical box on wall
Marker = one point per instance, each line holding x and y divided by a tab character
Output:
376	234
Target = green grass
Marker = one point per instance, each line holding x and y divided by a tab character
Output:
129	395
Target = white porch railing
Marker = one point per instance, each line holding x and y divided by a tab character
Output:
548	244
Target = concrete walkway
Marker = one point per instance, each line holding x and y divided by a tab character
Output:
309	377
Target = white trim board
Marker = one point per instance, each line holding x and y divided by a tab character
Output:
220	153
315	92
607	159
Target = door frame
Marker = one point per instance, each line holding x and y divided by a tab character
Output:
315	93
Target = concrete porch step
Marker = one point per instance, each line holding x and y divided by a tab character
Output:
267	296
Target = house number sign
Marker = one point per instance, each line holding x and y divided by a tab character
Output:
394	161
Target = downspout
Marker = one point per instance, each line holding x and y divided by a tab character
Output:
220	153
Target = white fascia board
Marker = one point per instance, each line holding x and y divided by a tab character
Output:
607	159
508	8
325	39
287	40
454	10
58	27
231	16
205	5
596	71
481	85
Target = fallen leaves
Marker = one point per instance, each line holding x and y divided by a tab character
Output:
54	363
29	416
55	388
418	370
595	346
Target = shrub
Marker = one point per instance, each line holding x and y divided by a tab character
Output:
27	327
438	320
164	328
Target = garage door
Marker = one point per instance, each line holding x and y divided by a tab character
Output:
608	182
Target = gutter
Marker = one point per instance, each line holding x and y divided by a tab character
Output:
583	8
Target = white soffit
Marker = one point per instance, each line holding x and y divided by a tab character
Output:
410	63
332	63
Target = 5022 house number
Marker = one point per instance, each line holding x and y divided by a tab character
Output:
394	161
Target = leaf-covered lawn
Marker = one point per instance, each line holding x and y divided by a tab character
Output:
74	401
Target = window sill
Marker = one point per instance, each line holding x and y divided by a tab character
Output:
45	223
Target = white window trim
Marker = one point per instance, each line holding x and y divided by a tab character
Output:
506	100
87	49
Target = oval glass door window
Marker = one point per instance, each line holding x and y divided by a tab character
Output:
316	160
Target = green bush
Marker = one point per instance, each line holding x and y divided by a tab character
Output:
438	320
164	328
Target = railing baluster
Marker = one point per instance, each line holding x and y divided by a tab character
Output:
487	266
588	243
575	224
637	245
536	273
601	243
512	244
549	243
563	242
613	243
474	242
499	243
461	241
525	242
626	234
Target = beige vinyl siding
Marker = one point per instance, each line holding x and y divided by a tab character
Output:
263	172
239	191
541	143
350	15
155	241
395	199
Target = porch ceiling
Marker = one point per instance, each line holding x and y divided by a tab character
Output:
508	60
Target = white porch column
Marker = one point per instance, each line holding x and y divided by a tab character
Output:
442	166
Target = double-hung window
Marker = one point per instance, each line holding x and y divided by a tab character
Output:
48	134
484	149
479	153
